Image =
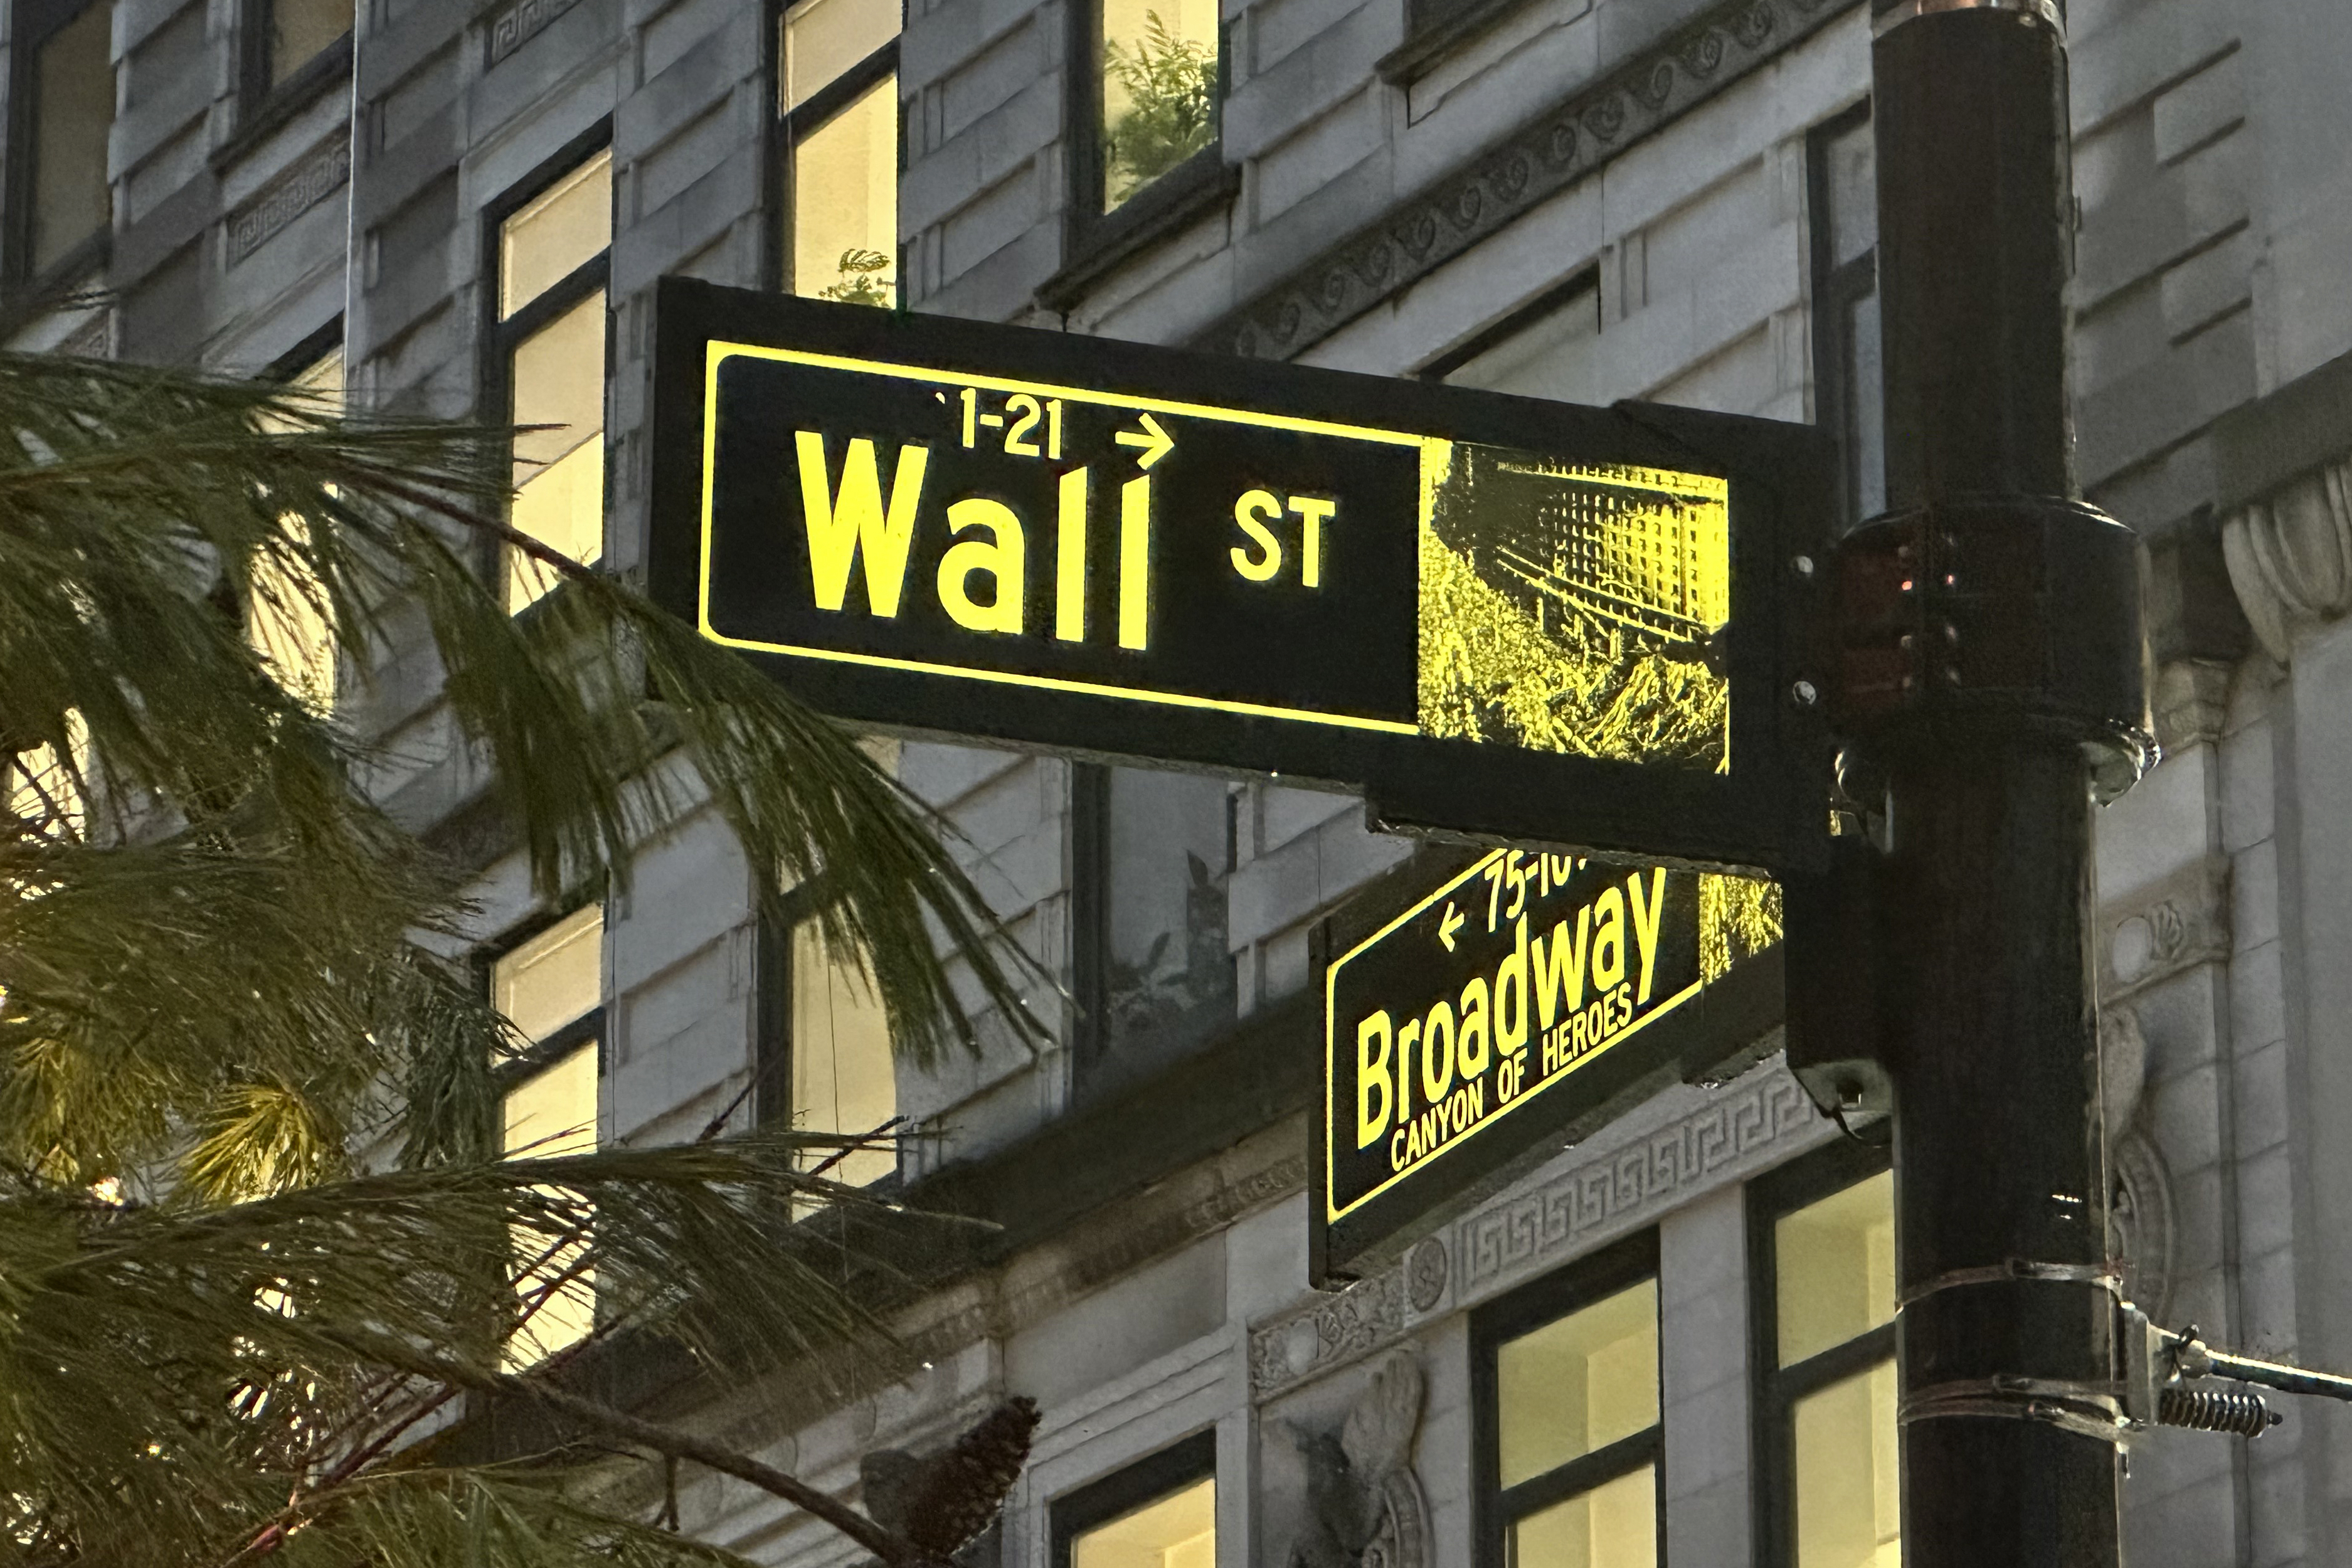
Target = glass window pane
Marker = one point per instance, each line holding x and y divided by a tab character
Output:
300	31
823	39
1578	1383
286	619
1179	1531
1852	194
1848	1498
845	202
844	1079
551	1113
541	245
73	105
1168	975
1552	357
559	382
1836	1263
553	978
1614	1525
1158	90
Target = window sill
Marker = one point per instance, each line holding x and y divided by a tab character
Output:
264	116
1409	59
79	279
1097	246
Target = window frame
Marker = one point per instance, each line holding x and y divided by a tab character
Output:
34	22
1181	1464
509	1075
787	127
1435	28
499	339
1596	1275
1775	1390
1836	290
263	105
770	1094
1585	280
1095	241
1093	1070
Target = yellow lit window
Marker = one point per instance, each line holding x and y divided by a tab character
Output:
72	83
299	31
1178	1530
43	796
550	988
1574	1414
838	96
844	1079
1831	1390
552	309
1158	98
285	615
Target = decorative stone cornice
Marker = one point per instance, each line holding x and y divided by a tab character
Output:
2290	556
1541	158
1736	1130
319	175
2169	926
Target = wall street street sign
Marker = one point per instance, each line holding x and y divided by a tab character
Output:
1496	616
1473	1015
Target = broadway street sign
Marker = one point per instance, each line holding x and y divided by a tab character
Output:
1496	616
1505	1006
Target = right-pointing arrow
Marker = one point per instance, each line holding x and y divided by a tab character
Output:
1156	442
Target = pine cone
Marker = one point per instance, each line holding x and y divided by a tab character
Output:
943	1502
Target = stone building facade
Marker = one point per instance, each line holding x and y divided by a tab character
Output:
464	209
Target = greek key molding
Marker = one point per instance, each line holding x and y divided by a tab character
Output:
322	171
2290	556
511	29
1494	187
1745	1125
2171	925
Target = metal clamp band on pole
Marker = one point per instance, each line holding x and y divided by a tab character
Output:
2086	1409
1895	15
2101	1275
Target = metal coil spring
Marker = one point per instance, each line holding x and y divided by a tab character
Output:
2214	1410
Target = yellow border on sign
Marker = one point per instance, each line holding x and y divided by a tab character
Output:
1330	984
717	353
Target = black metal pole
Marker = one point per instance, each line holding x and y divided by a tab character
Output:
2010	657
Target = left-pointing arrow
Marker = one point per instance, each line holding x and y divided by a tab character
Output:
1156	442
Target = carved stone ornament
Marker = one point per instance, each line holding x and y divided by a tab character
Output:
1327	1335
1569	141
2290	556
2142	1223
1365	1507
2162	930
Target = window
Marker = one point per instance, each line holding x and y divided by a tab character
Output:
824	1062
283	614
548	340
293	46
1841	180
1546	349
1565	1384
837	140
44	796
551	987
65	88
1154	859
1823	1250
1161	1512
1144	112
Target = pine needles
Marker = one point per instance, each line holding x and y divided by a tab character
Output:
224	974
